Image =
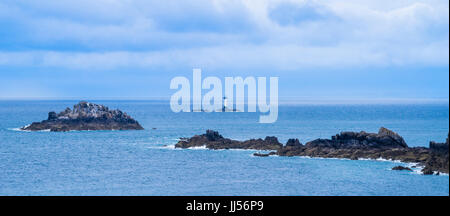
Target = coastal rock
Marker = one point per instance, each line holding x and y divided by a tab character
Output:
440	148
384	139
438	160
86	116
427	171
213	135
213	140
400	168
385	144
294	143
263	154
353	157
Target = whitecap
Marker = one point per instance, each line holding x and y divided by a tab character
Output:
198	147
385	160
19	129
168	146
236	149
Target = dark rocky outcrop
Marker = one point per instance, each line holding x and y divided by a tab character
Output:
401	168
385	144
257	154
293	143
427	171
384	139
86	116
213	140
439	148
438	159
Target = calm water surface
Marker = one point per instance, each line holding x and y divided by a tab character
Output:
145	162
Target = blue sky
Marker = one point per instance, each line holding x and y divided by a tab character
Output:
132	49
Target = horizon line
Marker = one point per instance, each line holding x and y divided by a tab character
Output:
282	100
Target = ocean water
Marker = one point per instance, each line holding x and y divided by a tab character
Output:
145	162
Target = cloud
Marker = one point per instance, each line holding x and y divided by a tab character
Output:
288	13
200	16
84	36
113	25
273	57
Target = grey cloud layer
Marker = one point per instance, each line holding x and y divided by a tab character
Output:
277	34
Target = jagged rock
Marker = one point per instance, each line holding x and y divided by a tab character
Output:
385	144
213	135
427	171
271	140
383	139
386	134
439	147
213	140
52	116
294	143
438	160
86	116
400	168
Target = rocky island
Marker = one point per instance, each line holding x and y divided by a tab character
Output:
86	116
385	144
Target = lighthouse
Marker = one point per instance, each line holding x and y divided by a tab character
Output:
225	104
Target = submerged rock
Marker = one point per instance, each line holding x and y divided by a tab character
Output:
264	154
400	168
86	116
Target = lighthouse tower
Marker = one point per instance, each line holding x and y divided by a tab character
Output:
225	102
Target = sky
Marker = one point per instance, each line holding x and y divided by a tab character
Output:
353	49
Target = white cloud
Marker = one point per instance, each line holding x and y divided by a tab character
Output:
110	33
274	57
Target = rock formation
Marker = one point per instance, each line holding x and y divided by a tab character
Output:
213	140
86	116
438	160
401	168
384	139
257	154
385	144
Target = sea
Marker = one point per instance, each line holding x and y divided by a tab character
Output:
146	162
